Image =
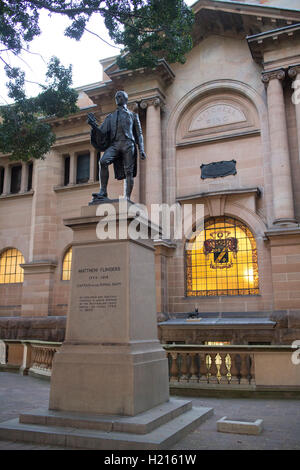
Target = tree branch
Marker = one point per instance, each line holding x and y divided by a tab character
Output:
88	11
66	11
97	35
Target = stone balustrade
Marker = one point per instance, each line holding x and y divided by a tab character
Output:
210	366
216	367
191	367
28	357
42	358
243	367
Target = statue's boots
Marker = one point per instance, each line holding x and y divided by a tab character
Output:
102	193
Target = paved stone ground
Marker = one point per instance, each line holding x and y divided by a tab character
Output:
281	418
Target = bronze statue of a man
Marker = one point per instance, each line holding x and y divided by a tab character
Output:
118	137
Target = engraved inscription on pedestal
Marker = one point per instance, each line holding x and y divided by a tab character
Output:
89	303
98	291
98	278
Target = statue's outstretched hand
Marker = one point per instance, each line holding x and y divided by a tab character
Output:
92	120
143	155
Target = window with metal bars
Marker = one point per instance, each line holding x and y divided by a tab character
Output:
66	170
83	168
67	265
10	269
2	172
30	172
16	174
222	260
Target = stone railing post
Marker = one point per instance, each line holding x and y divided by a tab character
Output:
27	349
283	202
3	352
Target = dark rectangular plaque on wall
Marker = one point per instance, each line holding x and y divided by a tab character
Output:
218	169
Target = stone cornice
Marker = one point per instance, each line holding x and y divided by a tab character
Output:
279	232
73	139
73	119
163	69
259	42
39	267
73	187
14	196
165	245
225	192
218	324
240	8
274	33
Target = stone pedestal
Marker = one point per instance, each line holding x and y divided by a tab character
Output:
109	384
111	354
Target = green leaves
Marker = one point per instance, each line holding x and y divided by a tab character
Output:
148	30
18	23
160	29
24	133
58	99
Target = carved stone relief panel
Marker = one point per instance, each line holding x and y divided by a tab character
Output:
219	115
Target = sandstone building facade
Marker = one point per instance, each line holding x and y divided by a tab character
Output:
222	130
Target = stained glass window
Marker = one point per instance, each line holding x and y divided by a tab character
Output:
222	260
10	269
67	264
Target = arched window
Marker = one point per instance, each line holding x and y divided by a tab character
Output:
66	266
10	269
222	260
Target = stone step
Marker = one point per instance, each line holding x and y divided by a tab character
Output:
142	423
162	437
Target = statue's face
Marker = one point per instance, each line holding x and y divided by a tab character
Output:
121	98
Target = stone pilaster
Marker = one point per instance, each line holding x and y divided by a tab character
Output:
135	195
163	250
93	157
283	203
294	73
24	177
7	177
42	259
153	151
44	209
73	169
37	288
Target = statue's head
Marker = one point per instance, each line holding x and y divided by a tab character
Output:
121	97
